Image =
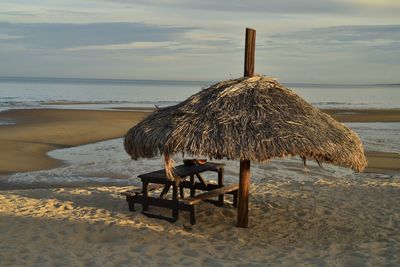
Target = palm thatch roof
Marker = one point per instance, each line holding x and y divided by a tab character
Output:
247	118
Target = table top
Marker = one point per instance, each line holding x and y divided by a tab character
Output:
184	170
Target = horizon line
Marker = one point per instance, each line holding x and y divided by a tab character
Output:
131	80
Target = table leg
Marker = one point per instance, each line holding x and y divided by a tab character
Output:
221	184
145	205
131	203
201	179
165	190
181	192
192	188
235	199
175	210
193	214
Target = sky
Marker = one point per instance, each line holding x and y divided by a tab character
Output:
306	41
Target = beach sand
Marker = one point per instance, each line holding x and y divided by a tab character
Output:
320	221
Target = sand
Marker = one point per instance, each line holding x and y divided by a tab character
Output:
382	162
318	221
365	115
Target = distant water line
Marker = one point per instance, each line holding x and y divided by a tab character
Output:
16	93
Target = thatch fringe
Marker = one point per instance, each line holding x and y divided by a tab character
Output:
247	118
169	164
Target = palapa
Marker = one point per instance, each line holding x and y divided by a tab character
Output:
247	118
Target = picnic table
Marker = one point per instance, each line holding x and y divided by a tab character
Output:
190	178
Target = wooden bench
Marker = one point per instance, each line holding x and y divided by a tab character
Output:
193	201
213	193
187	173
132	193
135	192
188	203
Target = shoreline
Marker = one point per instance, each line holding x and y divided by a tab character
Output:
364	115
342	115
37	131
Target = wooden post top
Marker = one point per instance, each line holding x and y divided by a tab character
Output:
249	52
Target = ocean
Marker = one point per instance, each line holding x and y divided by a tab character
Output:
107	163
104	94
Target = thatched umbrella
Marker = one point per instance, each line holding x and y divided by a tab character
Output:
247	119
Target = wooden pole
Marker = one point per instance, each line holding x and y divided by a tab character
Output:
244	184
249	52
244	178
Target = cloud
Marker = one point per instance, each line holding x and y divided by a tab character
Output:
133	45
273	6
9	37
204	39
183	47
68	35
347	53
353	33
348	37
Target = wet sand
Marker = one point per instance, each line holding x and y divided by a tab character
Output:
365	115
382	162
37	131
347	115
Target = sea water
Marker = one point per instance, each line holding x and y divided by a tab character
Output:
92	93
99	94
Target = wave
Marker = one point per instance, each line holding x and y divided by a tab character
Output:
333	104
107	163
6	123
62	103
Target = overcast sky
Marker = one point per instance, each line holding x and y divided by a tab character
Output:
311	41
